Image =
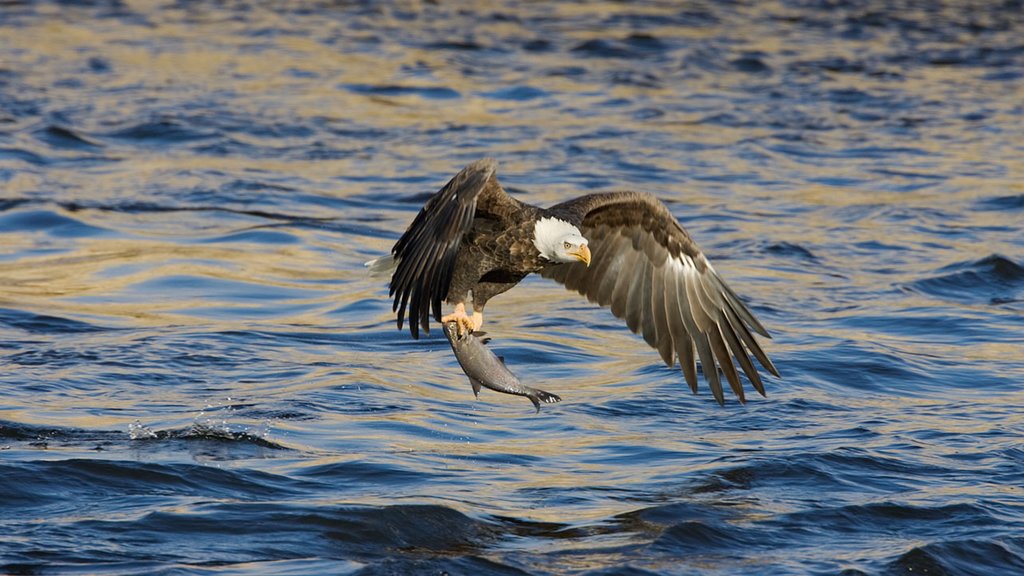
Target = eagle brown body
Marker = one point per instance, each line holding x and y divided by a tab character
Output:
473	240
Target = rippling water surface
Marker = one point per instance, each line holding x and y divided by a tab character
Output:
198	377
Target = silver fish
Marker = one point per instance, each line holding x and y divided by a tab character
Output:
486	369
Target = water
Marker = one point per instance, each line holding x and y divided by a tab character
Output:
197	376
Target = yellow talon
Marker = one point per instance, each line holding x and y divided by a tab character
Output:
463	322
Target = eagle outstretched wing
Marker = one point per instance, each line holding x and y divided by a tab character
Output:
653	275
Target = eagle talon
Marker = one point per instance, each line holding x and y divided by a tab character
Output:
464	324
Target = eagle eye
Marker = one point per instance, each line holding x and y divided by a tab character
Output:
567	245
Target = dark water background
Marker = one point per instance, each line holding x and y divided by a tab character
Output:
196	376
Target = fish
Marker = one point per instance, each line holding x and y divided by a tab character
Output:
486	369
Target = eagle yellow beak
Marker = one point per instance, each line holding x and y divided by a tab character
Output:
583	254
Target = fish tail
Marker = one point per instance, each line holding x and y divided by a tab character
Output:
537	396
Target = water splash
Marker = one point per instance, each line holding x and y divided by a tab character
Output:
139	431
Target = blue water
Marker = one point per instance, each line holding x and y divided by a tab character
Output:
197	376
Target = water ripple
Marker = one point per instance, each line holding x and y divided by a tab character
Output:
994	279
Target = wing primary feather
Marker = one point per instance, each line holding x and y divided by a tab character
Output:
729	332
689	367
714	303
725	361
443	278
680	340
419	309
416	264
697	306
644	303
702	325
400	284
663	335
400	308
424	316
670	302
752	344
688	363
707	365
405	289
741	308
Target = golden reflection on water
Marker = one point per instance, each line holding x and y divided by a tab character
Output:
98	278
176	60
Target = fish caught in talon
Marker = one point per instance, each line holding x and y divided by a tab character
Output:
487	370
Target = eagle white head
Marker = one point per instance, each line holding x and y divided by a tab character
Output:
559	241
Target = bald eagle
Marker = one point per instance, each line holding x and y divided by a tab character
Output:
472	241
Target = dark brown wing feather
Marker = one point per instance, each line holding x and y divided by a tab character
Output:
426	252
655	277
